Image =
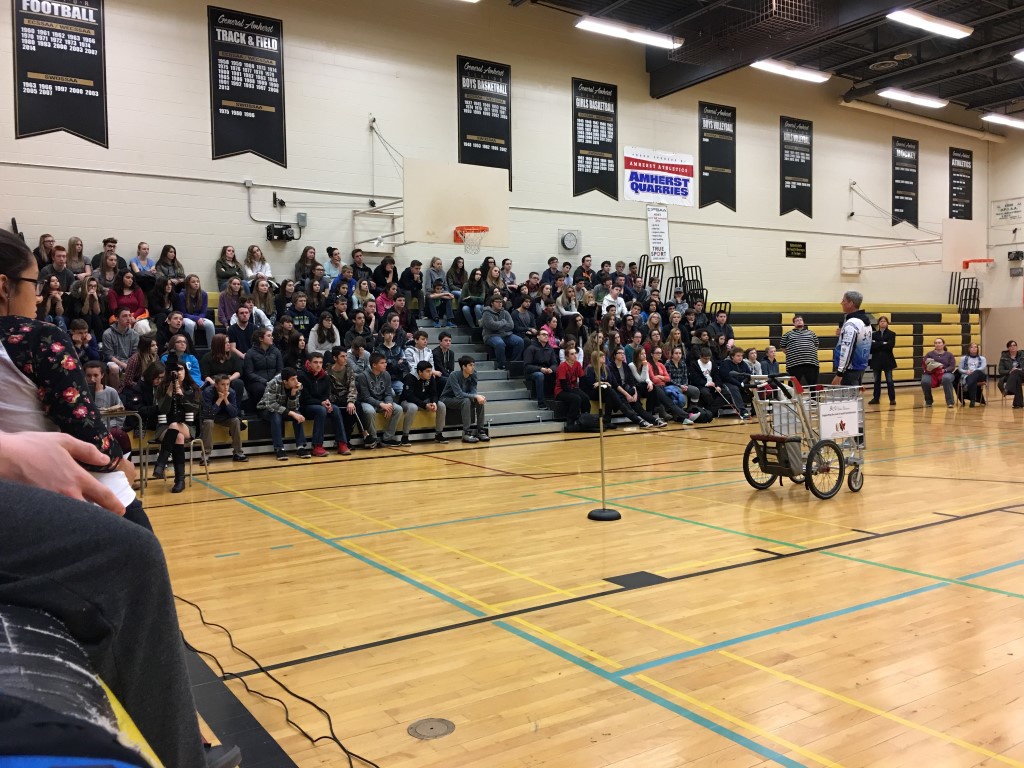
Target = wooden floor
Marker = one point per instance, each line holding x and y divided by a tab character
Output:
884	628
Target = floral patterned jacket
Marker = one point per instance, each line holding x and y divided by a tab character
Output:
45	354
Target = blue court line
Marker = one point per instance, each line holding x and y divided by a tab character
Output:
655	698
805	622
283	546
229	554
459	520
351	553
624	684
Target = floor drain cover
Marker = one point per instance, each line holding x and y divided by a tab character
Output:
431	728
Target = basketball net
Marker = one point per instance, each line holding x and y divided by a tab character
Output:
471	238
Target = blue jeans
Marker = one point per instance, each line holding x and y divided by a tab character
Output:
319	415
445	305
512	343
276	421
539	379
472	313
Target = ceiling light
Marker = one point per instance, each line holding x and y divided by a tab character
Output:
791	70
628	33
930	23
1013	122
895	94
1019	55
471	1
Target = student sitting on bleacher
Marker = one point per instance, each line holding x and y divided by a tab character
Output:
540	361
280	403
735	378
221	406
422	392
315	403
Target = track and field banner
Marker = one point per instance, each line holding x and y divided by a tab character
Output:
60	81
595	144
905	156
657	234
485	113
717	155
796	158
961	183
247	85
652	176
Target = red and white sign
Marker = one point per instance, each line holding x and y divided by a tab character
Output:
652	176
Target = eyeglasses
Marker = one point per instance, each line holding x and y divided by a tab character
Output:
32	280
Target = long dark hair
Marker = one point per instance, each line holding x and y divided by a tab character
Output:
15	256
160	297
321	334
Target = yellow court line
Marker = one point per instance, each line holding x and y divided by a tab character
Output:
554	636
387	560
741	723
817	688
286	515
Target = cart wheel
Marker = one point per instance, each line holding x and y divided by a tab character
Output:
825	469
855	479
757	478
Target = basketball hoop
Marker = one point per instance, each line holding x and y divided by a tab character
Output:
471	237
978	266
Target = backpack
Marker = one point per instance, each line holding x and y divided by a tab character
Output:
588	422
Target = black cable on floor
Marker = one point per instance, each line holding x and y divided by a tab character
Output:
229	675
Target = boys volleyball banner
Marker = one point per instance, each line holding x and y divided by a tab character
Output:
652	176
59	69
595	143
247	85
485	113
717	155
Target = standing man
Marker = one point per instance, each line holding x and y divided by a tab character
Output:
854	346
801	346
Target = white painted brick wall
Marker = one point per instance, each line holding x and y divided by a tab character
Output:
344	61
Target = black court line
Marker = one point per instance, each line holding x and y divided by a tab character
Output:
768	552
943	514
775	557
1011	511
859	530
229	719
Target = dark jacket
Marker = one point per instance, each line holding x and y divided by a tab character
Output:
882	345
242	337
537	357
1007	363
420	392
223	412
625	380
697	378
444	361
410	282
734	373
315	389
261	366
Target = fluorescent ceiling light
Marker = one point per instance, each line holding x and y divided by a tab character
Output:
791	70
1019	55
930	23
895	94
1013	122
628	33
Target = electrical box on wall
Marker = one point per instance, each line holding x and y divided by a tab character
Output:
570	242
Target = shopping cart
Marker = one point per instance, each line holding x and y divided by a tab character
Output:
813	436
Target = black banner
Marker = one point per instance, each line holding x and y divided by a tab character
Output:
60	81
904	180
961	183
247	85
796	157
485	114
595	144
717	155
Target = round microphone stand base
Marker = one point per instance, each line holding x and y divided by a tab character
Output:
604	515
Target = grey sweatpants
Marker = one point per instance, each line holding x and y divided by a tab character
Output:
106	579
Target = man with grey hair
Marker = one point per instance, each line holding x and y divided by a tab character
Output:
853	347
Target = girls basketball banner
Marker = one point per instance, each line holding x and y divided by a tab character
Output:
485	113
961	183
595	145
652	176
60	81
247	85
905	154
796	148
717	155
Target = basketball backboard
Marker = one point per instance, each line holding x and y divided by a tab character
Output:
438	197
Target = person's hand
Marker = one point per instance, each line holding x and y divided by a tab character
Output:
299	418
481	399
327	405
126	466
432	407
387	409
837	380
23	453
351	409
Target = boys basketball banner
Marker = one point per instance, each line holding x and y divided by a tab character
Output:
485	114
657	177
717	155
796	147
247	85
904	180
60	81
595	146
961	183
